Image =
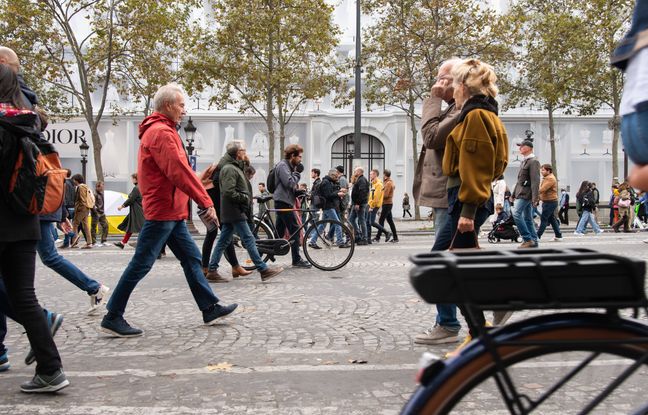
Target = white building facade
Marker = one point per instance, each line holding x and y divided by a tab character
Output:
584	144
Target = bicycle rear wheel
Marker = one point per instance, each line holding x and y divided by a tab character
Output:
325	254
260	231
560	345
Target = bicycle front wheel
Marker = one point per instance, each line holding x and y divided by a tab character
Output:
554	363
328	245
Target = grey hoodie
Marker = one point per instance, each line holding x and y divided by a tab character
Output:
287	181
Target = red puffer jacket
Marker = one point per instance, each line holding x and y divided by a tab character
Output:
165	177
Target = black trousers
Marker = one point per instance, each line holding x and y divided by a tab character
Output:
386	214
563	215
288	220
208	244
17	267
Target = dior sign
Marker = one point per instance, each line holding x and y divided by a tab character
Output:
65	136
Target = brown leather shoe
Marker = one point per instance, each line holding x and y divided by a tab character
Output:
528	244
205	271
214	276
270	272
239	271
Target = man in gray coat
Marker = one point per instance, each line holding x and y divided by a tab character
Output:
287	174
430	184
527	194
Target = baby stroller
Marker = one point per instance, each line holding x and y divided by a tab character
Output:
504	229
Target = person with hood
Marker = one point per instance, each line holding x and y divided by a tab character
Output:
166	181
19	234
236	209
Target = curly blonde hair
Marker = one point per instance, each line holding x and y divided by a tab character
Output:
477	76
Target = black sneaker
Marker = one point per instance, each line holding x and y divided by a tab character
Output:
394	241
4	362
388	237
119	327
46	384
314	246
302	264
362	242
217	311
346	245
54	321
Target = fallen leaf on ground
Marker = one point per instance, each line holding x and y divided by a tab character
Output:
220	367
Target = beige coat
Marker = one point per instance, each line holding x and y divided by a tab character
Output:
429	188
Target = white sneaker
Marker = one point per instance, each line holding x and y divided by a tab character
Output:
579	234
557	239
599	232
98	299
645	241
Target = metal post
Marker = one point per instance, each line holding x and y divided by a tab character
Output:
190	130
358	87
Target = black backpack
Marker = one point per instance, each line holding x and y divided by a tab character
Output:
271	183
317	200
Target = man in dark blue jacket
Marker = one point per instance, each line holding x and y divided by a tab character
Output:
359	206
331	194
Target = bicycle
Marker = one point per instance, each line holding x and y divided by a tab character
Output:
521	280
325	254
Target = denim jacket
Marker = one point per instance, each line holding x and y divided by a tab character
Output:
636	38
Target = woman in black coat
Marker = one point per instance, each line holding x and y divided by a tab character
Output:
135	219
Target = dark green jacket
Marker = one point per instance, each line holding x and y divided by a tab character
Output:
235	193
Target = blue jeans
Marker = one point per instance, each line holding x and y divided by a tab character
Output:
440	219
151	239
329	214
586	217
523	216
53	260
371	221
548	217
634	133
247	239
68	236
447	313
358	219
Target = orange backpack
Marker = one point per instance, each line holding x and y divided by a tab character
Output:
37	180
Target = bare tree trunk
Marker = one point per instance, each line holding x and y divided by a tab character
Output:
270	126
412	119
615	125
552	140
616	135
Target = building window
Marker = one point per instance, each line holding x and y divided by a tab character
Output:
372	153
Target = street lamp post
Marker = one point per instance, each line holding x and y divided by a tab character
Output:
84	147
190	131
358	85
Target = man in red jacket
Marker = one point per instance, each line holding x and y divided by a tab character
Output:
166	181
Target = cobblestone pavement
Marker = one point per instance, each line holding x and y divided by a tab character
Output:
296	345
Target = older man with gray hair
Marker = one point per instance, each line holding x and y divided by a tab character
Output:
166	182
236	209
